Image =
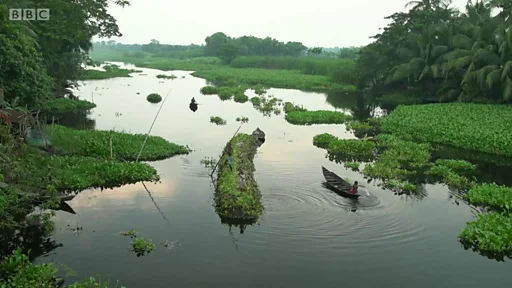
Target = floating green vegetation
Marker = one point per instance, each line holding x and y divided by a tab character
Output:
477	127
217	120
76	173
448	175
492	195
107	144
368	128
267	104
154	98
287	79
141	246
352	165
317	117
132	233
162	76
324	140
64	105
242	119
227	92
111	71
237	196
18	271
208	162
260	90
491	232
290	107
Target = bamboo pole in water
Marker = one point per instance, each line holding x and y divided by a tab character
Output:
151	128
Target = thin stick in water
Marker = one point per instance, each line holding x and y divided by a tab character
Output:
150	128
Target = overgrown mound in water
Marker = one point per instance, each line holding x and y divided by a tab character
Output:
235	198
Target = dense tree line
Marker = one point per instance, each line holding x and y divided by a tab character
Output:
434	51
38	59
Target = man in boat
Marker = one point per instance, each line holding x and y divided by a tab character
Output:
193	101
353	190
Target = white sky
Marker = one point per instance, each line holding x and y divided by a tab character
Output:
326	23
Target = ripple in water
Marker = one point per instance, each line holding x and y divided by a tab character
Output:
299	209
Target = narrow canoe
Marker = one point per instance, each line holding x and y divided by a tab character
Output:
338	184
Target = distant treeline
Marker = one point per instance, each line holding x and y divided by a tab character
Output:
227	48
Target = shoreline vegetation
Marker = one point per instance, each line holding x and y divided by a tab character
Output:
237	196
416	59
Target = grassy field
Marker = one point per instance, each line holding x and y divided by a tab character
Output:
477	127
210	69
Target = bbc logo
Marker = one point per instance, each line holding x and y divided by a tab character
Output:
40	14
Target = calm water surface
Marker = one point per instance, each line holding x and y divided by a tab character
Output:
308	237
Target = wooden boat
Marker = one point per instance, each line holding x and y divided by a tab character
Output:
338	184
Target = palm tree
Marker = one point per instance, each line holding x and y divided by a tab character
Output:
427	4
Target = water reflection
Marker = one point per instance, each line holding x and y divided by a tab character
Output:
361	105
76	120
30	235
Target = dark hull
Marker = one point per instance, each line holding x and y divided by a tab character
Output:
338	184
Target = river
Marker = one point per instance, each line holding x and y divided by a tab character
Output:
308	236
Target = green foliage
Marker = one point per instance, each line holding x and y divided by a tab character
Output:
22	70
352	165
475	127
290	107
111	71
154	98
242	119
162	76
323	140
492	195
288	79
236	198
368	128
490	232
267	104
141	246
65	105
345	150
227	92
96	143
316	117
217	120
17	271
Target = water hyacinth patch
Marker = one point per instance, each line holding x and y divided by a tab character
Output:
141	246
323	140
477	127
162	76
111	71
63	105
492	195
290	107
317	117
217	120
490	232
227	92
154	98
76	173
368	128
96	143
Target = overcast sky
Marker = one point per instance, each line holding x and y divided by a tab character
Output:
326	23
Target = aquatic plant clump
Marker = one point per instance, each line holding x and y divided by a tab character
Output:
323	140
290	107
492	195
141	246
97	143
368	128
477	127
317	117
154	98
162	76
237	196
63	105
227	92
491	232
111	71
267	104
76	173
217	120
